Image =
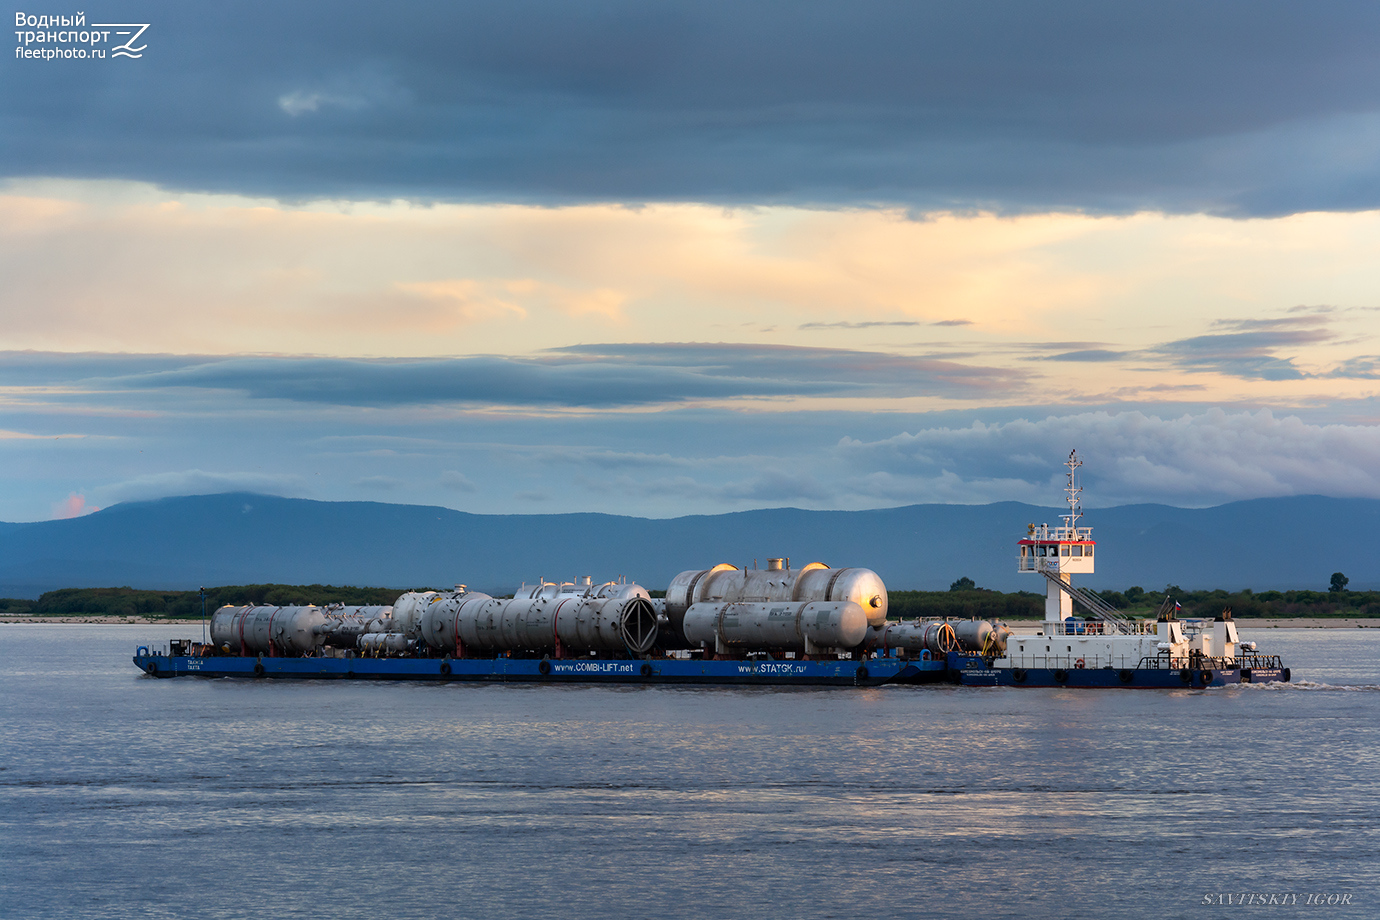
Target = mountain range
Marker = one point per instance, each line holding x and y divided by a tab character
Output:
242	538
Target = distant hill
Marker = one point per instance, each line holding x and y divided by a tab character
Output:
241	538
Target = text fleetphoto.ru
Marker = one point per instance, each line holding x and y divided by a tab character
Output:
68	38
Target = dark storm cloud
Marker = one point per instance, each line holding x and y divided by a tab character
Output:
581	376
1236	107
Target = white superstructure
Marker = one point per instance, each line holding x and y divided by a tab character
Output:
1066	642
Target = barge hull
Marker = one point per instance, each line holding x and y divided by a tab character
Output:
869	673
973	671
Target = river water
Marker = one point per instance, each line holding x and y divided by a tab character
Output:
127	796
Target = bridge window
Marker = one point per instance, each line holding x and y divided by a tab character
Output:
1078	550
1065	551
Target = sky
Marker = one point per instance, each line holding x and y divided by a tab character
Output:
667	258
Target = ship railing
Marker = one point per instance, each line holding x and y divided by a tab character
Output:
1029	562
1197	662
1074	534
1070	662
1085	628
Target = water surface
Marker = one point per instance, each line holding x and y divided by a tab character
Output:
127	796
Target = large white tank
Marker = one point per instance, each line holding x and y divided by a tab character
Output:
807	627
611	617
408	610
777	582
268	630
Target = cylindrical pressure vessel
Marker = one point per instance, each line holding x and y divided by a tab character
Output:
921	635
408	610
379	643
980	636
344	625
267	630
611	617
815	582
802	627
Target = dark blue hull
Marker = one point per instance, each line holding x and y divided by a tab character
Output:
869	673
972	670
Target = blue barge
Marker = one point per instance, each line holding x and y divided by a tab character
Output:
182	661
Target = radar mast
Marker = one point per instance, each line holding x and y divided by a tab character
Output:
1073	490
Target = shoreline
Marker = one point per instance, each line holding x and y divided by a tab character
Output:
1016	625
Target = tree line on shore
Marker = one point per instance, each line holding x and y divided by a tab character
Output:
135	602
964	599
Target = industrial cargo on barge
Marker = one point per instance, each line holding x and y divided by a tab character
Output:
725	625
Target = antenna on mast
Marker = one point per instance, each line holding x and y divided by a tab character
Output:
1073	490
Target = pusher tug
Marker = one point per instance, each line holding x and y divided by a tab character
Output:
1111	650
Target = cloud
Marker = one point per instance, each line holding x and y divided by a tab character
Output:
603	459
588	375
298	102
1234	107
1195	459
1249	350
362	279
379	483
457	481
864	325
769	488
1088	354
833	371
1249	355
473	300
1363	367
72	506
199	482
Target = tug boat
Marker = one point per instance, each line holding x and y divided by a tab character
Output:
1110	649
